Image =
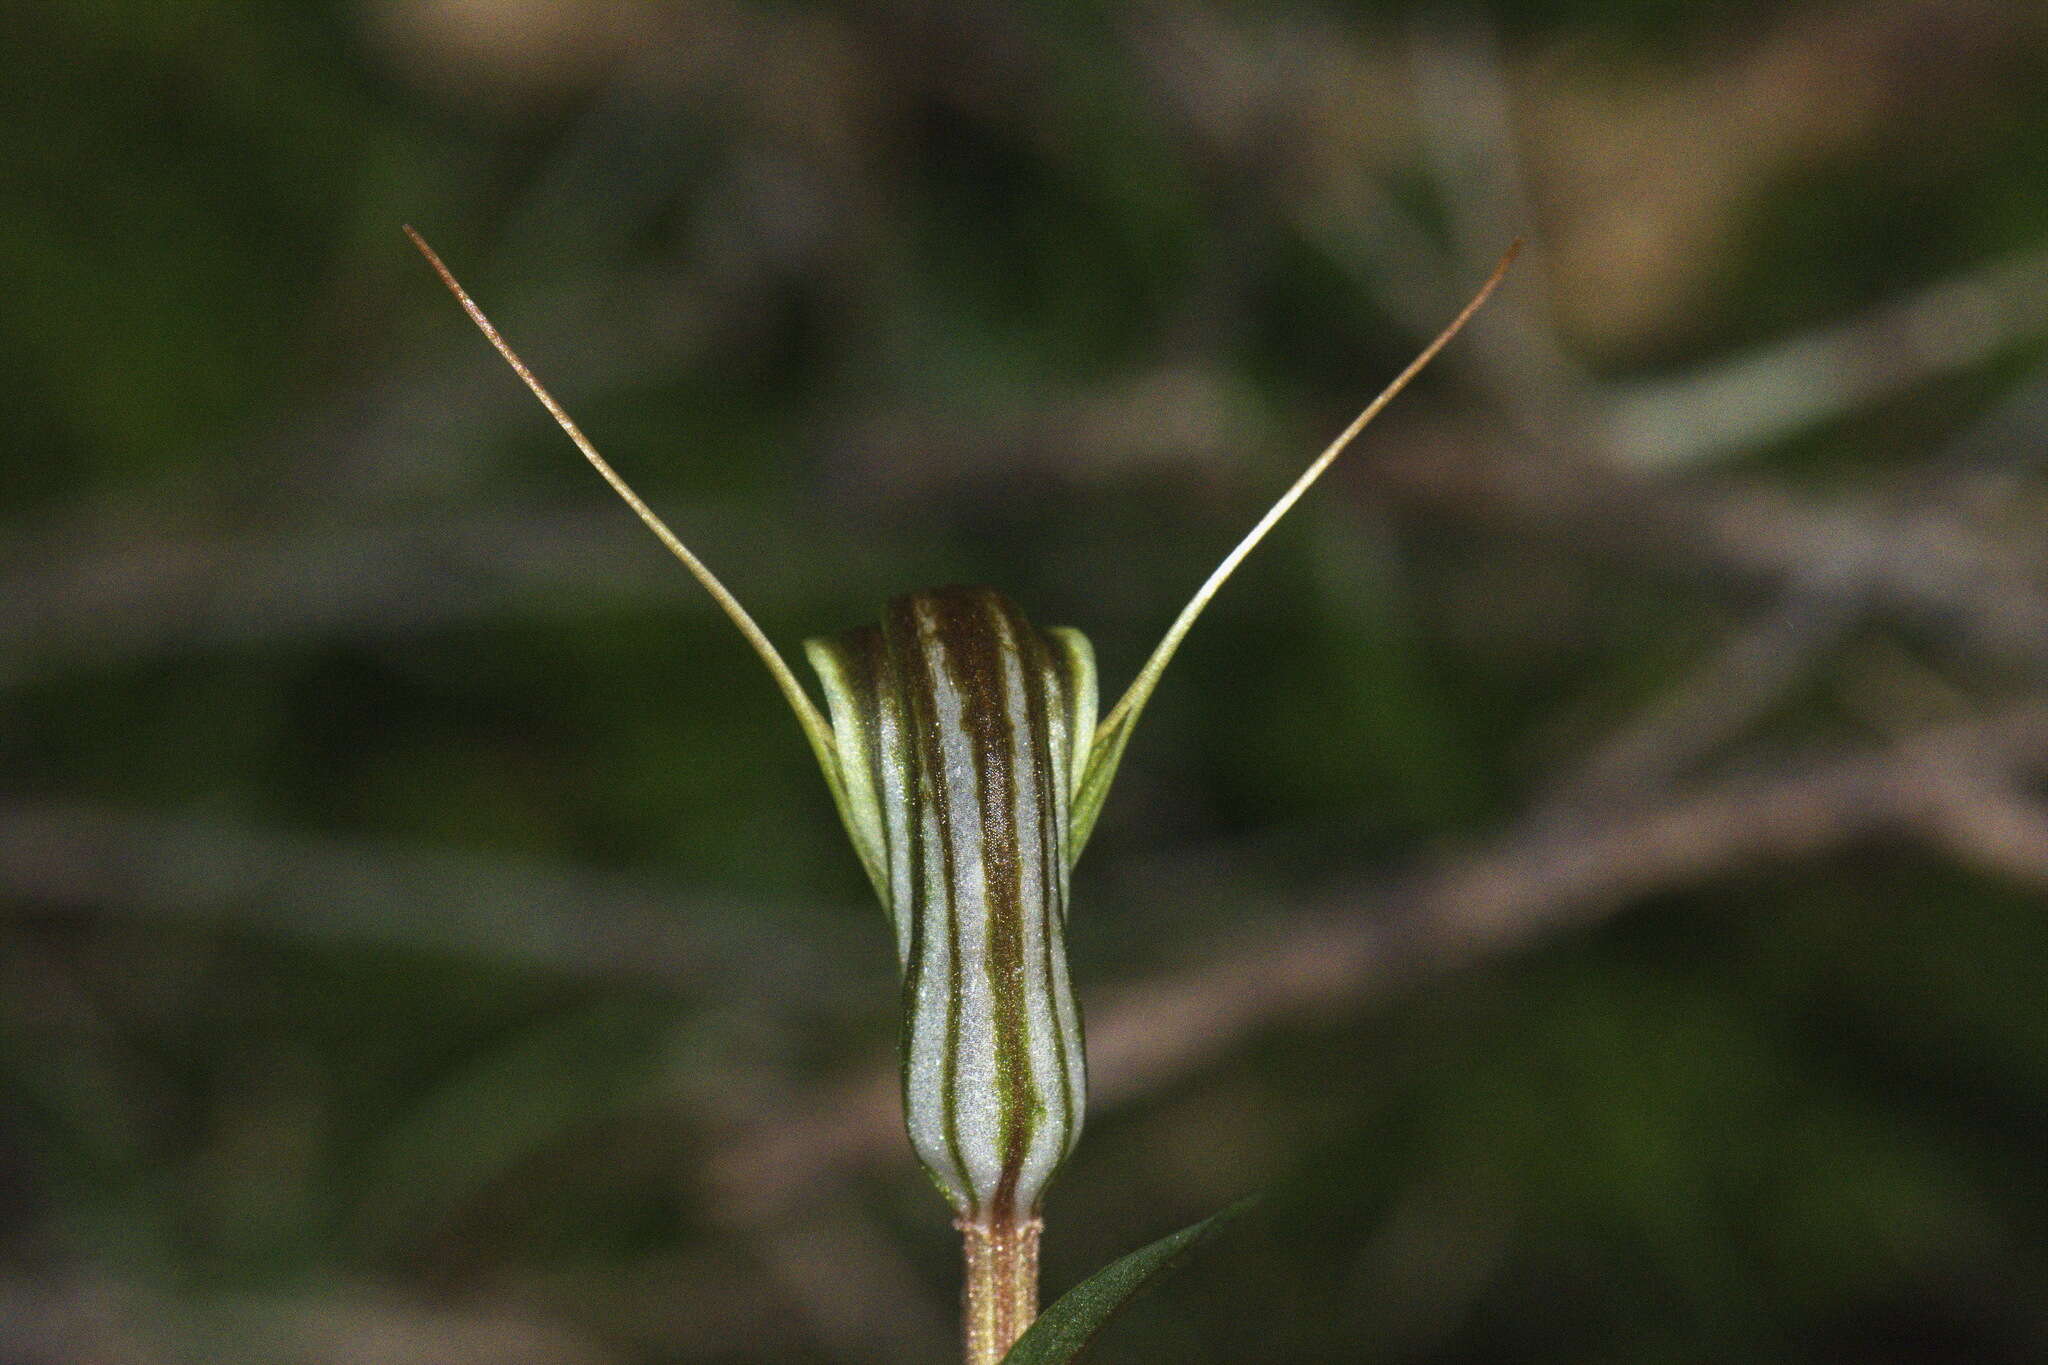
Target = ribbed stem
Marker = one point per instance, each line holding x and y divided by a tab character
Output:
1001	1295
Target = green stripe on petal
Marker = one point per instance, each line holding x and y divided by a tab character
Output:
1074	658
867	742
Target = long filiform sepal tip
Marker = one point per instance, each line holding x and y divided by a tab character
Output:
815	727
1115	731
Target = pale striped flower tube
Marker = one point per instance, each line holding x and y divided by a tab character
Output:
961	734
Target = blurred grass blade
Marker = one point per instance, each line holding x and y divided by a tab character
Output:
1116	728
1065	1330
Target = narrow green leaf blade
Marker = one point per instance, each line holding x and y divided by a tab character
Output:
1066	1329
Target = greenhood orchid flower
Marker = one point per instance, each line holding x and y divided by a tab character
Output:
968	763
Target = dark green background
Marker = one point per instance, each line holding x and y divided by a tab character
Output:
417	904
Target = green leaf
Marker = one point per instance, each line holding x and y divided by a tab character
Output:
1066	1329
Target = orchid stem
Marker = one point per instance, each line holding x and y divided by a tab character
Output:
1000	1298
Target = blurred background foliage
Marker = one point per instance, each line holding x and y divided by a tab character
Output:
1588	868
